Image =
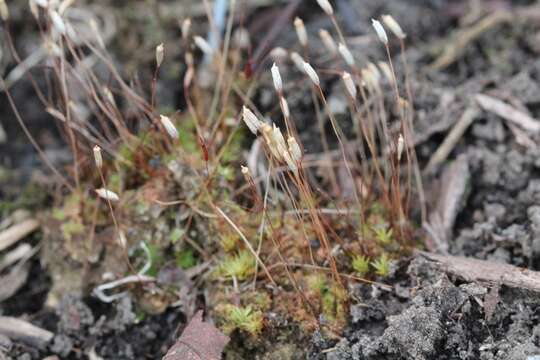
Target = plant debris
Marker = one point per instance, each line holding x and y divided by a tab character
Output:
199	341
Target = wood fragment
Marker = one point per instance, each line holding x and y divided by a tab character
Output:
484	271
451	199
442	152
521	137
13	281
17	232
457	45
20	330
508	112
458	42
20	252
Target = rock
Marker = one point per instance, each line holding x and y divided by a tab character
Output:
493	130
5	345
341	351
494	212
74	315
284	351
62	345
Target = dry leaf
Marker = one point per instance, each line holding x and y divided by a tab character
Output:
199	341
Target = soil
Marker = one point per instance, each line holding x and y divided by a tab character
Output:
427	314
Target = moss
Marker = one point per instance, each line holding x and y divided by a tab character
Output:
229	242
262	300
239	266
382	265
234	147
360	264
187	135
186	259
72	228
176	234
58	214
226	172
383	234
317	282
333	305
331	297
241	318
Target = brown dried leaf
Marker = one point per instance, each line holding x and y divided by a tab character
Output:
199	341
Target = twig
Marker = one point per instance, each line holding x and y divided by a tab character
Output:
508	112
442	152
454	189
464	37
20	330
486	271
17	232
20	252
14	280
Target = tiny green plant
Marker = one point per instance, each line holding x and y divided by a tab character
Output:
383	234
242	318
229	242
238	266
382	265
360	264
186	259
